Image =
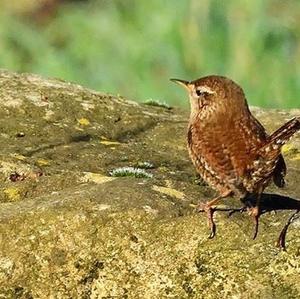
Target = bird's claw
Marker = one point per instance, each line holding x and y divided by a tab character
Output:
254	212
210	217
256	222
202	207
281	239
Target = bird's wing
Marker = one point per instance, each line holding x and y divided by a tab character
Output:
270	160
280	168
227	149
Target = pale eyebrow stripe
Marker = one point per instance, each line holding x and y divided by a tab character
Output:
205	89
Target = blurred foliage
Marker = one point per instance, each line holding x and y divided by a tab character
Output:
133	47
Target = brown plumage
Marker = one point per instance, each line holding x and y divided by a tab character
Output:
227	144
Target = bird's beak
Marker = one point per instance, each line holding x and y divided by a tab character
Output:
183	83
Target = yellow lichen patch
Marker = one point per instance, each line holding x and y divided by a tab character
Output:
163	169
107	142
169	183
296	157
193	205
12	193
287	148
43	162
83	121
169	191
96	178
19	157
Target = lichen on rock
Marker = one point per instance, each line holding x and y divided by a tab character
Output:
75	232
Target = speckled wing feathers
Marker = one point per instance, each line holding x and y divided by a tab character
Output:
239	161
269	161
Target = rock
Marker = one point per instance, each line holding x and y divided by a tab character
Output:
69	230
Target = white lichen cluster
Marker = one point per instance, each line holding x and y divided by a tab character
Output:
130	171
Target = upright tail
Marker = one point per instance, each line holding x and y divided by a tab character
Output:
270	161
281	136
284	133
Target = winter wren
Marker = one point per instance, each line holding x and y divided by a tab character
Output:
228	146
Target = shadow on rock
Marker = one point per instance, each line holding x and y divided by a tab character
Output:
268	202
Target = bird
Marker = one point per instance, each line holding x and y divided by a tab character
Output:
229	147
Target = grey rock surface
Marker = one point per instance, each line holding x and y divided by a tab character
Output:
69	230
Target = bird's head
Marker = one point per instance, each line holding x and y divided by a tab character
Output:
213	93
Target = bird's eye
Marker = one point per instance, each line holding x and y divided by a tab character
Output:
204	91
200	92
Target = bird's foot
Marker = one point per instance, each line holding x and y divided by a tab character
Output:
233	211
281	239
204	207
254	212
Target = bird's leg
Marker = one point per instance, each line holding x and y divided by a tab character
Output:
207	207
209	210
255	212
281	238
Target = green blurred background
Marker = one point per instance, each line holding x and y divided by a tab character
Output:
133	47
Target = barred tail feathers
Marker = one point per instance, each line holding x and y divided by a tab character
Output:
285	132
280	137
